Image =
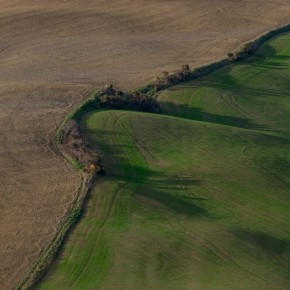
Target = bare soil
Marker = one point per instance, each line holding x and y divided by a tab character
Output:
53	52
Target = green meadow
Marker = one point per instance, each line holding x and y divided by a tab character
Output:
197	197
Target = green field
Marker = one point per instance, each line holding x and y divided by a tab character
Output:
195	198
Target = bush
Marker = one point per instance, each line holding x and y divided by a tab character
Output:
246	50
168	79
230	56
114	99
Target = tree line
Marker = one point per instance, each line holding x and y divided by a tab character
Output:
111	98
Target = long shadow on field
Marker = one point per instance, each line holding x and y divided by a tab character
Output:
155	186
144	176
268	51
178	204
272	64
265	248
197	114
249	91
268	58
228	85
168	191
159	189
227	79
260	244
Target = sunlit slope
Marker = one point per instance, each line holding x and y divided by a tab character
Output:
197	198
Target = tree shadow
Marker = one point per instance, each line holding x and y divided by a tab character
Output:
268	58
162	190
180	205
224	83
272	65
227	83
268	244
273	62
154	187
198	114
266	49
223	78
261	246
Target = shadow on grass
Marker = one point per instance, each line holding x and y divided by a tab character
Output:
265	247
226	78
267	50
269	244
177	204
167	191
268	58
226	84
197	114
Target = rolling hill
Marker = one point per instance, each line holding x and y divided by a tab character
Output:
197	197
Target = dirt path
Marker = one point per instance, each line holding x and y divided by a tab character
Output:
52	52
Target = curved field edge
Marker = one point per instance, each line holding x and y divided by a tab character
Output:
49	254
223	169
178	206
72	218
46	259
202	70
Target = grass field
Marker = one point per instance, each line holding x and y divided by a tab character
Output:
53	54
195	198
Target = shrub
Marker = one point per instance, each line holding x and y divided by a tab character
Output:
230	56
115	99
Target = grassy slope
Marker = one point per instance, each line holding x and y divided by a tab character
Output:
195	199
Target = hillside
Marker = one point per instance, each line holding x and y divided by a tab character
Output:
53	53
196	197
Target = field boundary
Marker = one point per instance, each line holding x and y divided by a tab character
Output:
243	51
48	255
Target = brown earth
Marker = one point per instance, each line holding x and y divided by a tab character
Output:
52	52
